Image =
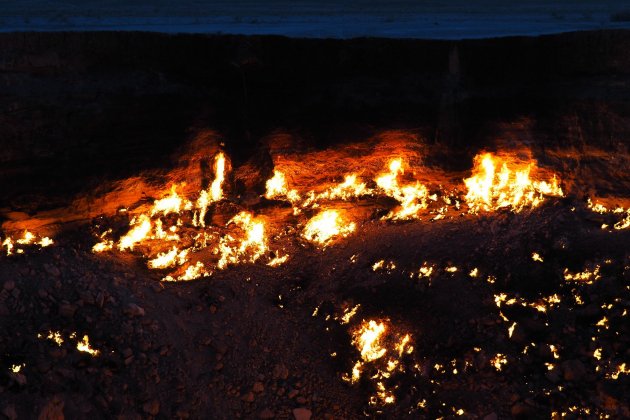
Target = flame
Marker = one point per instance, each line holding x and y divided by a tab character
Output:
411	197
254	244
8	243
28	239
325	226
170	204
169	259
105	244
84	346
498	361
54	336
215	193
277	188
17	368
368	340
623	223
141	227
587	276
489	189
374	340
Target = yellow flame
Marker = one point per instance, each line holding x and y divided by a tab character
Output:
368	340
325	226
250	249
587	276
621	369
84	346
169	259
215	193
27	239
498	361
278	261
169	204
141	227
349	313
17	368
8	243
411	197
489	189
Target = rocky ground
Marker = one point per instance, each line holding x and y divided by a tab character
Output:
245	342
495	331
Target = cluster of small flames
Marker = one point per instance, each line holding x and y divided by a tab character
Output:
381	349
28	239
82	345
488	189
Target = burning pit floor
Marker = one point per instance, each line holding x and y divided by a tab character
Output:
512	337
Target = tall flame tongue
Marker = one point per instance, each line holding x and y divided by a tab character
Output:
215	193
509	187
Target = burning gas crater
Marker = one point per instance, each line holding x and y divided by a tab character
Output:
173	234
190	237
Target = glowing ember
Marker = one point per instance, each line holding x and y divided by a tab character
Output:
325	226
412	197
489	189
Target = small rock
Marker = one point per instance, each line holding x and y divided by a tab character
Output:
9	412
574	370
52	270
302	413
280	372
293	393
266	414
301	400
152	407
133	310
249	397
9	285
491	416
258	387
522	410
53	410
67	310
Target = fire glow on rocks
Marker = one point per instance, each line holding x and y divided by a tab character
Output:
192	235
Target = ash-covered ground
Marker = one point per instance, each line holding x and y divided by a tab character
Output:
507	313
